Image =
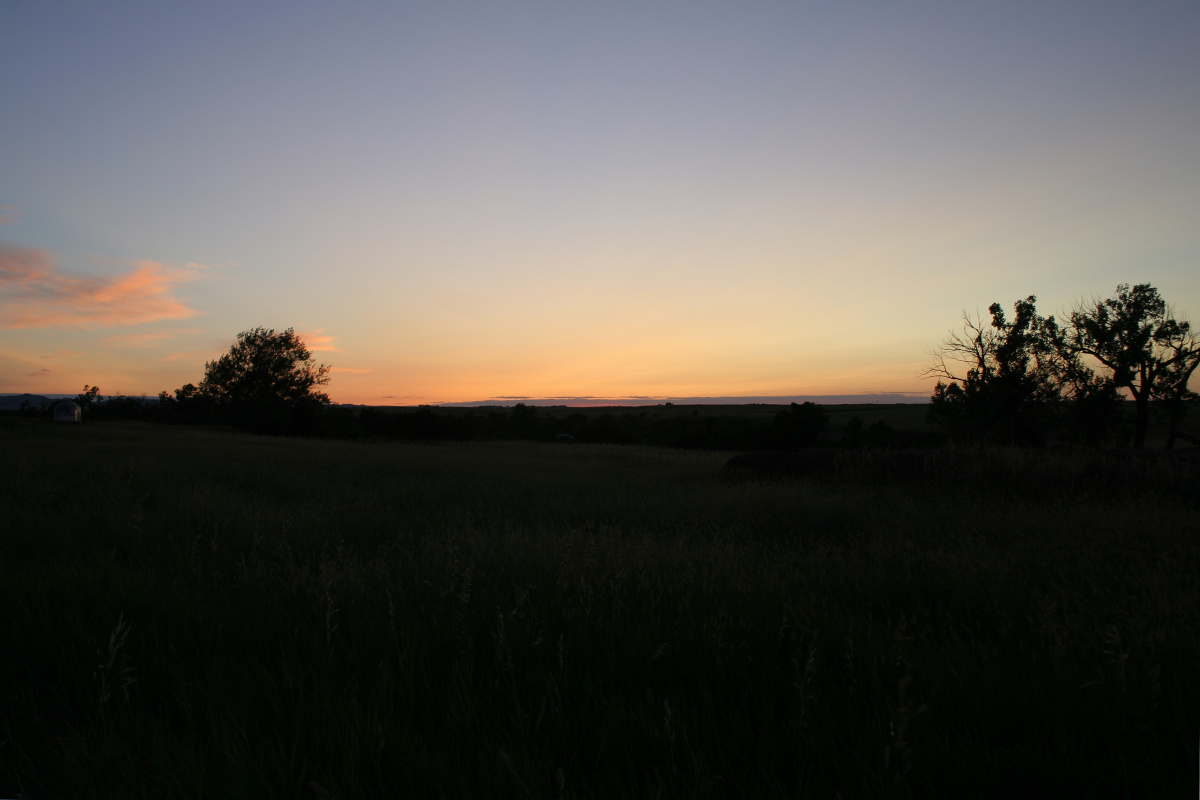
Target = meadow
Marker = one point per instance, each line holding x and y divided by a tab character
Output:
192	612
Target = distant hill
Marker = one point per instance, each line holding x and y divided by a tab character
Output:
888	398
9	402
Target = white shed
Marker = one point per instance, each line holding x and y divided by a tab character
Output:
66	411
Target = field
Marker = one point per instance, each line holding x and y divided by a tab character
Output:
200	613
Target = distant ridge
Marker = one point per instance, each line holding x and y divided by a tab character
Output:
819	399
11	401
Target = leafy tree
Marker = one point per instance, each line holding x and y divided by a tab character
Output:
188	405
89	395
800	425
268	380
997	381
1095	415
1176	398
1144	349
523	420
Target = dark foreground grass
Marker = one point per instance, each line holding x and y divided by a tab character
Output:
189	613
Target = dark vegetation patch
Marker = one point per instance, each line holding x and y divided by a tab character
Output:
197	613
1080	473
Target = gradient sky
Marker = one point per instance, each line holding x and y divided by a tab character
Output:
456	202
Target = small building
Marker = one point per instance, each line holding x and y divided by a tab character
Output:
66	411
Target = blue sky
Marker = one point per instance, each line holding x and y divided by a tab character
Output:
457	202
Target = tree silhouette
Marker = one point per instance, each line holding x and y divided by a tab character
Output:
999	375
267	380
800	425
1174	395
89	395
1145	350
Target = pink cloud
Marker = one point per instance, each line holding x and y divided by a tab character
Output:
6	217
351	370
33	295
41	373
22	264
318	341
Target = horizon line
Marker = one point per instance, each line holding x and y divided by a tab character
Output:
588	401
646	400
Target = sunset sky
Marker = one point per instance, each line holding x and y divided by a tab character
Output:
458	202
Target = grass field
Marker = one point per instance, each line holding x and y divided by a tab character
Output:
200	613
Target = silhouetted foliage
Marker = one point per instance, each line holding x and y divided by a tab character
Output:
1175	408
1020	474
684	429
523	421
187	406
1093	414
123	407
88	398
800	425
1000	375
266	382
1023	376
1144	349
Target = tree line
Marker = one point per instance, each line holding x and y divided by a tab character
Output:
1025	380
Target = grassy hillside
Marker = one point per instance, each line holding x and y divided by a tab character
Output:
196	613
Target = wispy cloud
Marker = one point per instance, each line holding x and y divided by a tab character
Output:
34	295
136	339
7	217
41	373
60	354
318	341
351	370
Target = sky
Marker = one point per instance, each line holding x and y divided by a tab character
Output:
461	202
